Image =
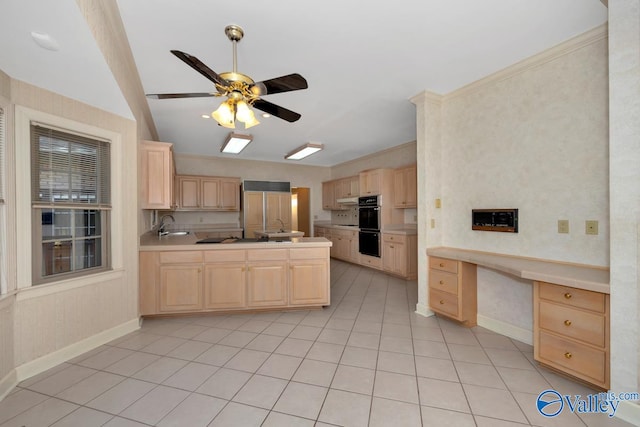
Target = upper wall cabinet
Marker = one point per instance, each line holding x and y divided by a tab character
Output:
347	187
405	194
207	193
156	175
371	181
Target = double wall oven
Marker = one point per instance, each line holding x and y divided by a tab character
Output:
369	224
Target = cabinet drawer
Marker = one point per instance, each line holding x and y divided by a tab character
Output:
224	256
443	264
577	359
443	302
443	281
397	238
174	257
574	323
572	296
267	254
371	261
309	253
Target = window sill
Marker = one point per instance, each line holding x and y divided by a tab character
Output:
36	291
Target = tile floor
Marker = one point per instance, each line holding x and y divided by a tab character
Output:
366	360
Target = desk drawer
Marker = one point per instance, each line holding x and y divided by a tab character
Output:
574	323
577	359
179	257
574	297
443	264
443	281
443	302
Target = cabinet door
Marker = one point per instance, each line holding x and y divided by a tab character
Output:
188	192
267	284
388	256
229	195
308	282
399	199
209	194
156	175
278	208
411	186
180	288
354	186
328	195
253	213
224	285
370	182
405	193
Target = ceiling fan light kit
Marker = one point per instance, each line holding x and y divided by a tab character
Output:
304	151
235	143
241	91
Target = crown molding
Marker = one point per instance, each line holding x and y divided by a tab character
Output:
585	39
426	96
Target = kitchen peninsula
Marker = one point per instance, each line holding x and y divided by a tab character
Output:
179	276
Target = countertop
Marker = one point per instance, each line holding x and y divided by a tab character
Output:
151	242
405	229
585	277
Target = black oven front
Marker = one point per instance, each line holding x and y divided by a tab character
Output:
369	213
369	243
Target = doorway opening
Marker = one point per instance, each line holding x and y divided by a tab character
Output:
301	210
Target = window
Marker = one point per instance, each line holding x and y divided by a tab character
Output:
71	203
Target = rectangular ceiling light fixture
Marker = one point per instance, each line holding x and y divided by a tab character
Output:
235	143
304	151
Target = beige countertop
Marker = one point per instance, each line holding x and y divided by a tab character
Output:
151	242
586	277
406	229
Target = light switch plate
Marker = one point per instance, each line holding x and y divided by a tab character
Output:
438	203
591	227
563	226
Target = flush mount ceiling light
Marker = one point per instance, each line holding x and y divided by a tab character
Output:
235	143
45	41
241	91
304	151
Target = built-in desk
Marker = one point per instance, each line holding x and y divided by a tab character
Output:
570	306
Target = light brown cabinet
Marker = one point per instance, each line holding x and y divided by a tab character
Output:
453	289
571	331
224	280
347	187
278	207
157	173
405	194
208	193
345	245
328	195
371	182
399	255
267	284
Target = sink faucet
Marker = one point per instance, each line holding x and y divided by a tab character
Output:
282	228
161	231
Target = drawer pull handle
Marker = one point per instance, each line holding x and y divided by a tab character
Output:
567	295
391	246
567	322
442	264
568	355
442	282
441	301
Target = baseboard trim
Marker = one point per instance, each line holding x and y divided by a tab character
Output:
423	310
629	412
8	383
50	360
507	329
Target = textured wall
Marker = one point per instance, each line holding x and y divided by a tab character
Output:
400	155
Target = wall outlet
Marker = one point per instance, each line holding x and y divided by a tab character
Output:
591	227
563	226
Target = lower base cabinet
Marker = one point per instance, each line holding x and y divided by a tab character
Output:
227	280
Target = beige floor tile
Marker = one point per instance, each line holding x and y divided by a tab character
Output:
400	318
393	413
491	402
42	414
325	352
190	350
123	422
305	332
396	387
212	335
261	391
361	357
466	353
509	358
188	331
232	322
396	330
102	348
367	327
280	366
117	398
354	379
160	370
493	340
247	360
442	394
279	329
427	333
565	418
333	336
264	342
90	387
153	406
105	358
164	345
18	402
238	338
197	410
292	317
236	414
444	417
435	349
132	364
302	400
396	344
523	380
276	419
493	422
340	324
217	355
62	380
84	417
396	362
191	376
346	409
440	369
477	374
255	326
315	372
294	347
224	383
358	339
457	335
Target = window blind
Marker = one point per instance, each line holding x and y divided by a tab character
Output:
69	169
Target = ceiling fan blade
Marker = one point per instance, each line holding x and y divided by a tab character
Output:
199	66
180	95
279	84
276	110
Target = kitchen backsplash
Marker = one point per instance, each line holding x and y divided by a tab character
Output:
347	217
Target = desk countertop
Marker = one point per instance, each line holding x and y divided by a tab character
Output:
586	277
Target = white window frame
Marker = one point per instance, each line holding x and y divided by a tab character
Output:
23	118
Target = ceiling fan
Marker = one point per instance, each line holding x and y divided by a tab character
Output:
241	91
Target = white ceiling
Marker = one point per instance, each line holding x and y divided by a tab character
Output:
363	61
